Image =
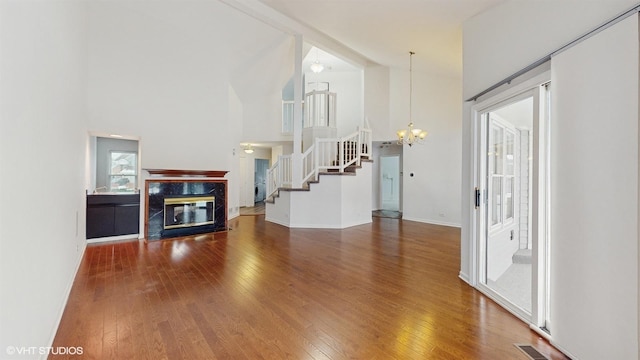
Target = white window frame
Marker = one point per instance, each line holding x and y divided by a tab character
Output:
504	220
111	176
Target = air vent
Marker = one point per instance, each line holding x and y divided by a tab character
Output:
531	352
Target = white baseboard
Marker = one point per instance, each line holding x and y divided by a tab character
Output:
65	301
464	277
113	238
432	222
275	221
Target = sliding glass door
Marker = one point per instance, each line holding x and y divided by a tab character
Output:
512	245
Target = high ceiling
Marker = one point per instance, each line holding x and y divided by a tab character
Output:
385	30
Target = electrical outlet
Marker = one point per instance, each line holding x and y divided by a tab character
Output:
441	214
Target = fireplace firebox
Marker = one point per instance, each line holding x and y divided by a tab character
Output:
182	212
184	207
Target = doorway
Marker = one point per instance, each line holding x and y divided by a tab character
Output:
387	180
511	246
390	182
260	180
508	167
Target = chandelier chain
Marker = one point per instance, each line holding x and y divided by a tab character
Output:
411	53
411	135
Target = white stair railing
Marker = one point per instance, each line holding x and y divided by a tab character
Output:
273	182
308	165
326	154
365	141
279	175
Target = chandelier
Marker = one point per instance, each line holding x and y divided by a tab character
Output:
411	135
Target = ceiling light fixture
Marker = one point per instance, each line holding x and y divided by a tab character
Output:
316	67
248	149
411	135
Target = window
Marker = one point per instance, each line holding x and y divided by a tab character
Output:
123	171
502	174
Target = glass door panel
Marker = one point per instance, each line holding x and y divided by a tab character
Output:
507	255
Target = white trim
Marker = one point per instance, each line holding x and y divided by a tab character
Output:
562	349
400	182
506	304
540	332
528	88
464	277
67	293
263	12
276	221
526	70
327	226
113	238
432	222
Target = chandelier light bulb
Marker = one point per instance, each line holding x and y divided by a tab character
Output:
316	67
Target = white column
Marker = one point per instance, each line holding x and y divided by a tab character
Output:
296	158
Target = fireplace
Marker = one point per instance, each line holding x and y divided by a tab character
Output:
184	207
182	212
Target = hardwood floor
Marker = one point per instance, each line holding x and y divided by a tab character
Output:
257	209
386	290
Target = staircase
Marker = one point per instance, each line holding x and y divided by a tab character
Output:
336	184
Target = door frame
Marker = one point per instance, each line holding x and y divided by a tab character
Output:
534	86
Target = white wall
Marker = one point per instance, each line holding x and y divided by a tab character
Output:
594	195
348	87
432	195
158	78
43	48
234	183
508	37
261	90
505	39
339	201
594	304
376	102
171	74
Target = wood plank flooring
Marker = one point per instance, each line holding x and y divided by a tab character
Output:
385	290
257	209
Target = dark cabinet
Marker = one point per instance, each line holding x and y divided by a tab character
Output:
112	215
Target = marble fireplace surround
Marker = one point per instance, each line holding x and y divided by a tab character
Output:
169	183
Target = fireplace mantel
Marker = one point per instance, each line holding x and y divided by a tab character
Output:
187	173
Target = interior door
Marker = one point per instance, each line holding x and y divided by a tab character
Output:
260	179
390	182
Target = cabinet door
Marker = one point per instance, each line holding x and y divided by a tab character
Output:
127	219
100	221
